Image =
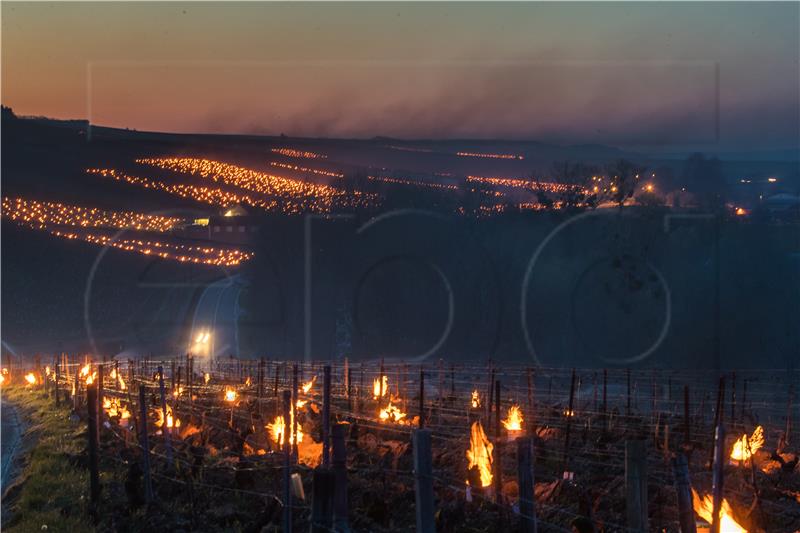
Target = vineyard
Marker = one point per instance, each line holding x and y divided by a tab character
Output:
261	445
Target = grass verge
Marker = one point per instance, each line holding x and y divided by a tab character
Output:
50	491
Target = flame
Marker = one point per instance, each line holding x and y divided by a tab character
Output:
171	422
277	428
206	377
705	509
514	420
87	374
379	388
569	413
177	392
114	408
2	378
746	446
308	384
392	414
47	371
30	378
476	399
119	379
247	382
230	394
480	453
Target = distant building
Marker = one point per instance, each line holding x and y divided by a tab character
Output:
233	225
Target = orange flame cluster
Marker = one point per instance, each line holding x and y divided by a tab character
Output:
745	447
114	408
704	507
30	377
202	194
87	374
294	195
170	420
230	394
308	384
46	214
380	387
513	421
476	399
479	453
300	154
278	428
392	414
53	217
118	377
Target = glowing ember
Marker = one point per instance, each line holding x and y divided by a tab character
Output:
392	414
476	399
479	453
291	152
171	422
308	384
230	394
569	413
746	446
521	183
380	387
183	253
514	420
415	183
43	214
705	509
489	156
298	168
206	378
30	378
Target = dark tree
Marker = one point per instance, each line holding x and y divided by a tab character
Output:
704	178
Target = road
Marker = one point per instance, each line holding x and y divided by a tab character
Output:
217	312
9	440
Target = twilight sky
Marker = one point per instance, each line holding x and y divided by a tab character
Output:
719	75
